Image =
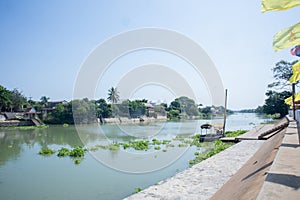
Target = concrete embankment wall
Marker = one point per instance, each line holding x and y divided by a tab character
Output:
203	180
16	123
251	169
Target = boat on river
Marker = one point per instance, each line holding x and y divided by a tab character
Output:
215	133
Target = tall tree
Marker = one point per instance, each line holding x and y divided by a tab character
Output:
274	104
4	98
17	100
103	109
113	95
282	73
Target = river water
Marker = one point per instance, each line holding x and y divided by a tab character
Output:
103	174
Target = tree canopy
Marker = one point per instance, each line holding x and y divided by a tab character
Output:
275	103
183	106
282	73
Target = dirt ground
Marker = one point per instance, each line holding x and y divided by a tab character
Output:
247	182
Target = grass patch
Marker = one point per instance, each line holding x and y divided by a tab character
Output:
235	133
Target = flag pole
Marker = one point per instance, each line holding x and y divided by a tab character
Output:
293	100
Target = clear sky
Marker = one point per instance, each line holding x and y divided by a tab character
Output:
44	43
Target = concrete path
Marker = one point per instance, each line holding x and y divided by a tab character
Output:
283	179
204	179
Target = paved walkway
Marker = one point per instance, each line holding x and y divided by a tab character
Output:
204	179
283	179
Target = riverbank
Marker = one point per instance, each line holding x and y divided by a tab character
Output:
125	120
236	173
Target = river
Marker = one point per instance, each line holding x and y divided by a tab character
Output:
104	174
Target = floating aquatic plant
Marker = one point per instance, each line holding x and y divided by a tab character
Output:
157	148
63	152
46	151
78	151
137	190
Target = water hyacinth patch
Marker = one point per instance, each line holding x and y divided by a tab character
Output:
137	145
137	190
78	151
157	148
63	152
46	151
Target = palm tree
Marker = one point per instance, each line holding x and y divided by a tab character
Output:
44	101
113	95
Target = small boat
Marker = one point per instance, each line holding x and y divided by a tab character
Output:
212	136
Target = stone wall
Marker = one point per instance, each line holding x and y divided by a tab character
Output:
10	123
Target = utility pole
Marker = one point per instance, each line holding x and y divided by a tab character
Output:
225	112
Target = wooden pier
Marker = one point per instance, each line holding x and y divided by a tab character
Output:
261	132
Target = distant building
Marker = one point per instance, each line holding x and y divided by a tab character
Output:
150	110
29	113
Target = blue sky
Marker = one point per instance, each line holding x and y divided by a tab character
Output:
44	43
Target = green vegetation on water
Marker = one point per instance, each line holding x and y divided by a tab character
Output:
63	152
144	145
218	146
157	148
137	145
137	190
46	152
28	127
78	151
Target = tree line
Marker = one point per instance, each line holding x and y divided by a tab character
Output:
86	111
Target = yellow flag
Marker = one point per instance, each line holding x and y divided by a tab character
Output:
287	37
296	67
294	78
278	4
289	100
296	73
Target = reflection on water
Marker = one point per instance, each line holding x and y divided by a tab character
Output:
26	175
